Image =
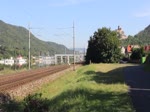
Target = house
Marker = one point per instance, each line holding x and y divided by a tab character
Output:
129	49
2	61
147	48
121	33
7	61
136	46
45	60
20	60
123	49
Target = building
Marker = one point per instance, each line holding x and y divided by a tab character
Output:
129	49
45	60
123	50
20	61
121	33
147	48
7	61
68	58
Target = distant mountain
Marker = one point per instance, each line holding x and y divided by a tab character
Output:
144	36
81	50
15	40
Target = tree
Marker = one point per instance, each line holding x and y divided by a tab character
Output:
103	46
130	41
4	52
137	54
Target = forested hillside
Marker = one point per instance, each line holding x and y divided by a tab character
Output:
14	40
142	38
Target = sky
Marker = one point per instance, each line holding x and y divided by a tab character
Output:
52	20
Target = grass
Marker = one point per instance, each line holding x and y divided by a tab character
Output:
91	88
10	71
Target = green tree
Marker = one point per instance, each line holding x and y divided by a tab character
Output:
103	46
4	52
12	37
137	54
130	41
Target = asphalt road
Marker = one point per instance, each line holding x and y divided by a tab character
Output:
139	82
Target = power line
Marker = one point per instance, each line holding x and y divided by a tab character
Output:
73	27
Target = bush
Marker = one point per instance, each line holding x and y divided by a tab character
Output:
34	103
137	54
1	67
8	104
147	59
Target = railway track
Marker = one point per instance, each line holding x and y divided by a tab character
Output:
14	80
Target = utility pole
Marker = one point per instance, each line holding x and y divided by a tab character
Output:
29	57
73	47
29	47
73	27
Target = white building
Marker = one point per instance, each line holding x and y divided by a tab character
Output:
7	61
45	60
68	58
2	61
123	50
20	60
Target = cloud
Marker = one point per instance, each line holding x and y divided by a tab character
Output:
143	11
142	14
69	2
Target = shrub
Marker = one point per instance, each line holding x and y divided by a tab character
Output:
148	59
34	103
137	54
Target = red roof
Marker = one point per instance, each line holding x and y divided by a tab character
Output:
129	48
147	48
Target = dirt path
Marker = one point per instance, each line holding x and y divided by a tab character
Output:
139	82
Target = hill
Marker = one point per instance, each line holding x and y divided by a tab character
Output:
15	39
144	36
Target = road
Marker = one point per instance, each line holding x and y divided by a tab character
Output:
139	82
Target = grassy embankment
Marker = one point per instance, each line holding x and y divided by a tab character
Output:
92	88
10	71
